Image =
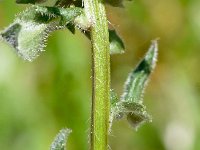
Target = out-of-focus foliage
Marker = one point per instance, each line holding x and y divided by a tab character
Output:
37	99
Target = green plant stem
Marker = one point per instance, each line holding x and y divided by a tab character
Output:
95	12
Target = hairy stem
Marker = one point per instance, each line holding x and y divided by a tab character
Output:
96	15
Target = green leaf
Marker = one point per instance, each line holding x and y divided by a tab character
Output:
138	78
59	142
131	101
132	98
116	43
30	30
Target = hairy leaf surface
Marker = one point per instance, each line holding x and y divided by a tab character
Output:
138	78
60	140
131	102
30	30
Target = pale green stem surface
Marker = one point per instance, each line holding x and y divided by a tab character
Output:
95	12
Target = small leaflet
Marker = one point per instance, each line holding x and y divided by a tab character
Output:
60	140
138	78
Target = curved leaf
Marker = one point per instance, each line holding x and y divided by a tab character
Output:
131	102
138	78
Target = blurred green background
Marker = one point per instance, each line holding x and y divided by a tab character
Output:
38	99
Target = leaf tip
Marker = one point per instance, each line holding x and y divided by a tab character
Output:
152	54
59	142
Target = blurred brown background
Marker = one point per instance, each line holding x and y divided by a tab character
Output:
38	99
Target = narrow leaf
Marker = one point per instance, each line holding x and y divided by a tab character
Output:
131	102
59	142
138	78
30	30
